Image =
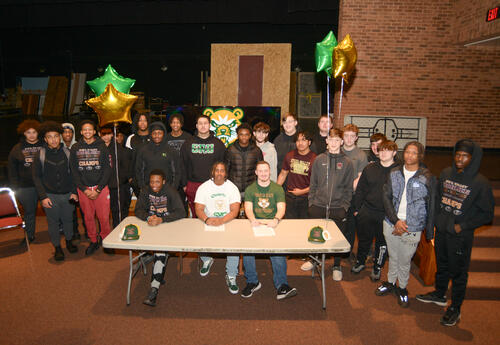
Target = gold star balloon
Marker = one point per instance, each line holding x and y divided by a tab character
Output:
344	58
112	106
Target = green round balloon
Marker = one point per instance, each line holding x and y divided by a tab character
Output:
122	84
324	50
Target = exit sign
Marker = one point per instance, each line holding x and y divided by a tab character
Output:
492	14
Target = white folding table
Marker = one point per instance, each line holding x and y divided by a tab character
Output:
189	235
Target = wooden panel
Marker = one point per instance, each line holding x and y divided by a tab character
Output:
55	97
276	73
250	76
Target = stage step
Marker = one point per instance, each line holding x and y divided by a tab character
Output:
487	236
485	260
483	286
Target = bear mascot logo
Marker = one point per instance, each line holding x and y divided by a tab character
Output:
223	122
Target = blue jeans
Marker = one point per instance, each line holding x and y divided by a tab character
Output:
278	263
231	264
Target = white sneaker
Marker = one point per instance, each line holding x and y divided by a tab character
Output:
205	269
307	266
337	273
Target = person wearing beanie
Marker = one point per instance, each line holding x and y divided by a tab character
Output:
20	177
139	138
156	154
124	174
91	171
68	134
55	187
465	202
68	139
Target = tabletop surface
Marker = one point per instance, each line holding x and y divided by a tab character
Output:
189	235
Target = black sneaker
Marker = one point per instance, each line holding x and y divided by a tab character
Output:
285	291
432	297
151	299
93	246
249	289
403	298
358	267
71	247
450	317
58	254
385	289
375	275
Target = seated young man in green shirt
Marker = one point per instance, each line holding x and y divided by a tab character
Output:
265	204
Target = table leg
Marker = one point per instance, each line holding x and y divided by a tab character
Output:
131	263
323	279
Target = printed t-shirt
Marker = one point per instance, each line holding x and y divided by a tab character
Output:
217	199
299	169
264	199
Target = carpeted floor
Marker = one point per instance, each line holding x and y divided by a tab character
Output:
82	301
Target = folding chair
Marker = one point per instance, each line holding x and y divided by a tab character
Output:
10	217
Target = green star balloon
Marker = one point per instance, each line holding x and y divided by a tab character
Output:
324	50
122	84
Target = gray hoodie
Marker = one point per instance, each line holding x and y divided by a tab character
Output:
270	156
336	190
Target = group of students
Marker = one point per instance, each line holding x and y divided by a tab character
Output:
378	195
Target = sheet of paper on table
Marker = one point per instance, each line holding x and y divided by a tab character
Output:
263	230
215	228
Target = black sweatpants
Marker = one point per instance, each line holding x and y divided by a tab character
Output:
453	258
369	225
296	206
339	216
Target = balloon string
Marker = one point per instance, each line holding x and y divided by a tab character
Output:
117	177
341	94
327	153
328	95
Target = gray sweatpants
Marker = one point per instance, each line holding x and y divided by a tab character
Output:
401	250
60	212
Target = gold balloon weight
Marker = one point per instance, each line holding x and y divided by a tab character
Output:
112	106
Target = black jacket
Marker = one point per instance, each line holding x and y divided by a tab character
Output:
20	158
161	156
283	144
318	144
125	168
166	204
464	198
54	176
241	163
90	164
369	190
198	155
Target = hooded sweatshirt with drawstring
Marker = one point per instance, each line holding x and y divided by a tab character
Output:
157	156
335	188
464	198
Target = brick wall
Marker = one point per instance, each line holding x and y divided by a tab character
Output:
410	62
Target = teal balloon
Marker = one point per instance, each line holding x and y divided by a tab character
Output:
122	84
324	51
